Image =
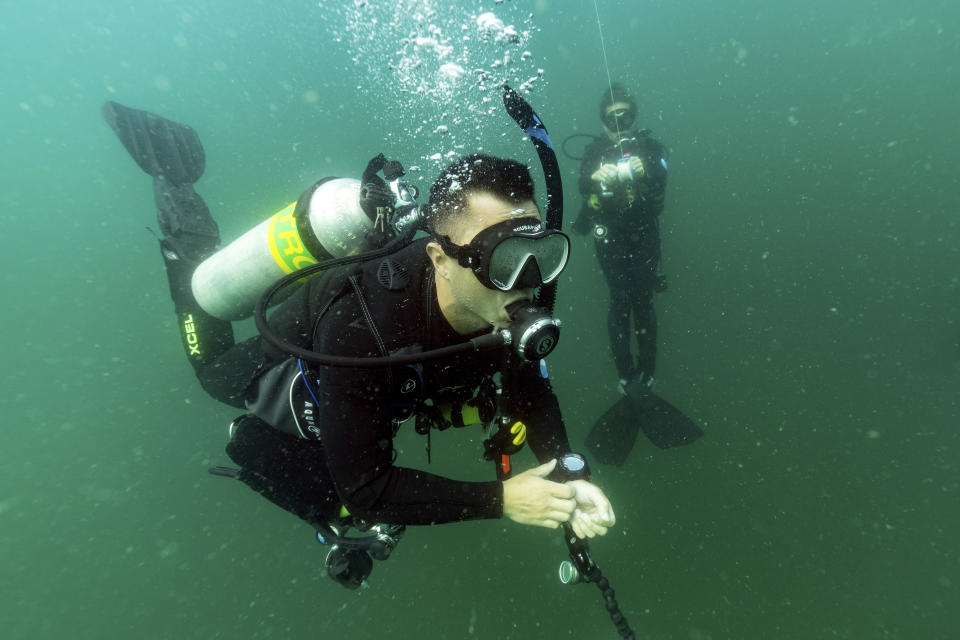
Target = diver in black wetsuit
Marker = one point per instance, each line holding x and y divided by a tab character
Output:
623	179
318	439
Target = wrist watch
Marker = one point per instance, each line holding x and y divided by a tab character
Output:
571	466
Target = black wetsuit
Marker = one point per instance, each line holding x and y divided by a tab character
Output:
332	444
629	250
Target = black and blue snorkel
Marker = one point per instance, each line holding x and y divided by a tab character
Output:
523	114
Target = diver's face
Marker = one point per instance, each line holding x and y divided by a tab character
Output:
619	114
478	306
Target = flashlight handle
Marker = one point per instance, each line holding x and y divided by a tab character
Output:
579	550
588	571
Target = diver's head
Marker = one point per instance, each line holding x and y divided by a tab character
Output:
490	248
504	178
618	112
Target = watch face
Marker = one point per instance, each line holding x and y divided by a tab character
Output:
573	462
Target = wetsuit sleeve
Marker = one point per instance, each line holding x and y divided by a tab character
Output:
356	428
539	410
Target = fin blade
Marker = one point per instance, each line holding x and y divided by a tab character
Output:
662	423
161	147
614	433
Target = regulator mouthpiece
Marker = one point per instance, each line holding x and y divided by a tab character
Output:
533	333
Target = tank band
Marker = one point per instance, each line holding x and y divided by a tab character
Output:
302	216
285	242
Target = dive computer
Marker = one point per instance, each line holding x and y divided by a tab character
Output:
570	466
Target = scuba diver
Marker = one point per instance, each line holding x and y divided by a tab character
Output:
448	329
623	180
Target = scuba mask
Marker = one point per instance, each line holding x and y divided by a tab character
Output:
513	254
620	119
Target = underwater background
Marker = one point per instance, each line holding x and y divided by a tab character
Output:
810	242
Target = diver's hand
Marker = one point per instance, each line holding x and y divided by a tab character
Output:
593	514
529	498
637	165
607	173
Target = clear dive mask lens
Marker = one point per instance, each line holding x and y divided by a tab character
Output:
511	258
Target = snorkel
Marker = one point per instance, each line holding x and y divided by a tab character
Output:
523	114
534	332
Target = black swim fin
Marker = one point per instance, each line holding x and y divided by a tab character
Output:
613	435
226	472
161	147
170	152
664	424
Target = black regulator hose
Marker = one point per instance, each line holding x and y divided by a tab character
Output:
574	136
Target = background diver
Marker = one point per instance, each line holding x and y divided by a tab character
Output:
318	440
623	181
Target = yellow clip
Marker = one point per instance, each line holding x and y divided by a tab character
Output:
520	433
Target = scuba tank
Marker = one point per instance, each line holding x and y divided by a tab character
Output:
334	218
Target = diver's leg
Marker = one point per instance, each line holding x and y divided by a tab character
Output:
204	337
172	155
645	329
288	471
618	327
190	236
646	281
615	271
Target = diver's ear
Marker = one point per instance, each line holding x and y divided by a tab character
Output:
440	260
